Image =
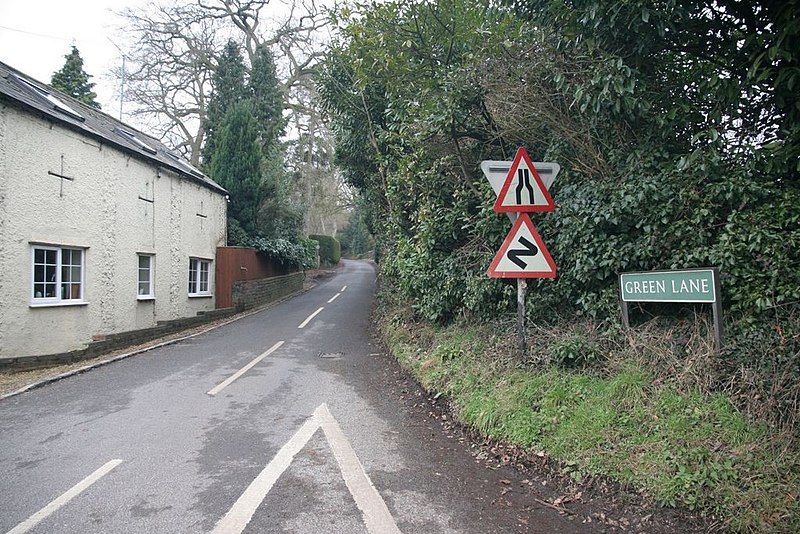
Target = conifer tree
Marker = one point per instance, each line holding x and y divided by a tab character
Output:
236	166
265	92
74	81
243	152
229	89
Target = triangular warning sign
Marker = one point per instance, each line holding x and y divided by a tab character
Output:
522	254
523	189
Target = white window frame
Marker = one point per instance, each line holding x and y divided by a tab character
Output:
150	294
197	286
59	298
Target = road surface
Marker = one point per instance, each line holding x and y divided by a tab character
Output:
287	420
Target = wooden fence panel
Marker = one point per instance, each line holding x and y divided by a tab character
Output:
239	264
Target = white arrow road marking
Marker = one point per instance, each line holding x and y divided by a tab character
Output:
244	369
377	517
308	319
70	494
243	509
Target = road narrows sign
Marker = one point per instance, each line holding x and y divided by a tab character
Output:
523	254
523	189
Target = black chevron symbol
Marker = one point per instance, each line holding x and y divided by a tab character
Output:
529	250
524	181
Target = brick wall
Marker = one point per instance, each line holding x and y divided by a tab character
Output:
237	264
104	344
245	294
250	293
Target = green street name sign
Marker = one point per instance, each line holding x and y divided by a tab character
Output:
691	285
688	285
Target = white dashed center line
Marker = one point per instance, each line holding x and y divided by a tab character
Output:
308	319
244	369
70	494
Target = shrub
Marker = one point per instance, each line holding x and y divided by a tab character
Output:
330	250
282	251
311	259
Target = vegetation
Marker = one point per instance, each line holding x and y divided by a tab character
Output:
185	62
244	155
676	145
645	426
355	237
74	81
676	125
236	166
302	255
330	250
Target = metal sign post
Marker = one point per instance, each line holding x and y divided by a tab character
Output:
522	338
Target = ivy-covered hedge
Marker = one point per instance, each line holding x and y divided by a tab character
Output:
302	255
330	250
677	127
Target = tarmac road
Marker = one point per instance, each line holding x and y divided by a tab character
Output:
287	420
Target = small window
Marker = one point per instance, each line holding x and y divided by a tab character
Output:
145	277
55	102
135	139
199	277
57	275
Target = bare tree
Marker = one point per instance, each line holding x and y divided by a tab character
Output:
172	49
169	62
324	192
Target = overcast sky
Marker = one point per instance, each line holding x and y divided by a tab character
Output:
35	35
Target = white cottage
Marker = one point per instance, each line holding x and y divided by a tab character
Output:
102	229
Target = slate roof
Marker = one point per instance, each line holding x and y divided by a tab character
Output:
32	96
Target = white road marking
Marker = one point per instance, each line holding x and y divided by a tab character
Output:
343	288
73	492
308	319
243	509
244	369
377	517
336	296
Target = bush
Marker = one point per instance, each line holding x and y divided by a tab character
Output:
311	259
330	250
282	251
574	351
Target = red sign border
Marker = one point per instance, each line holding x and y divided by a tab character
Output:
510	177
523	218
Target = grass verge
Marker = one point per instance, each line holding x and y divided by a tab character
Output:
678	444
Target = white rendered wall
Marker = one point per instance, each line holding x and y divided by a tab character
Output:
101	211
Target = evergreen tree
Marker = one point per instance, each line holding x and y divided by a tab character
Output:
229	89
74	81
243	152
264	90
280	216
236	166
